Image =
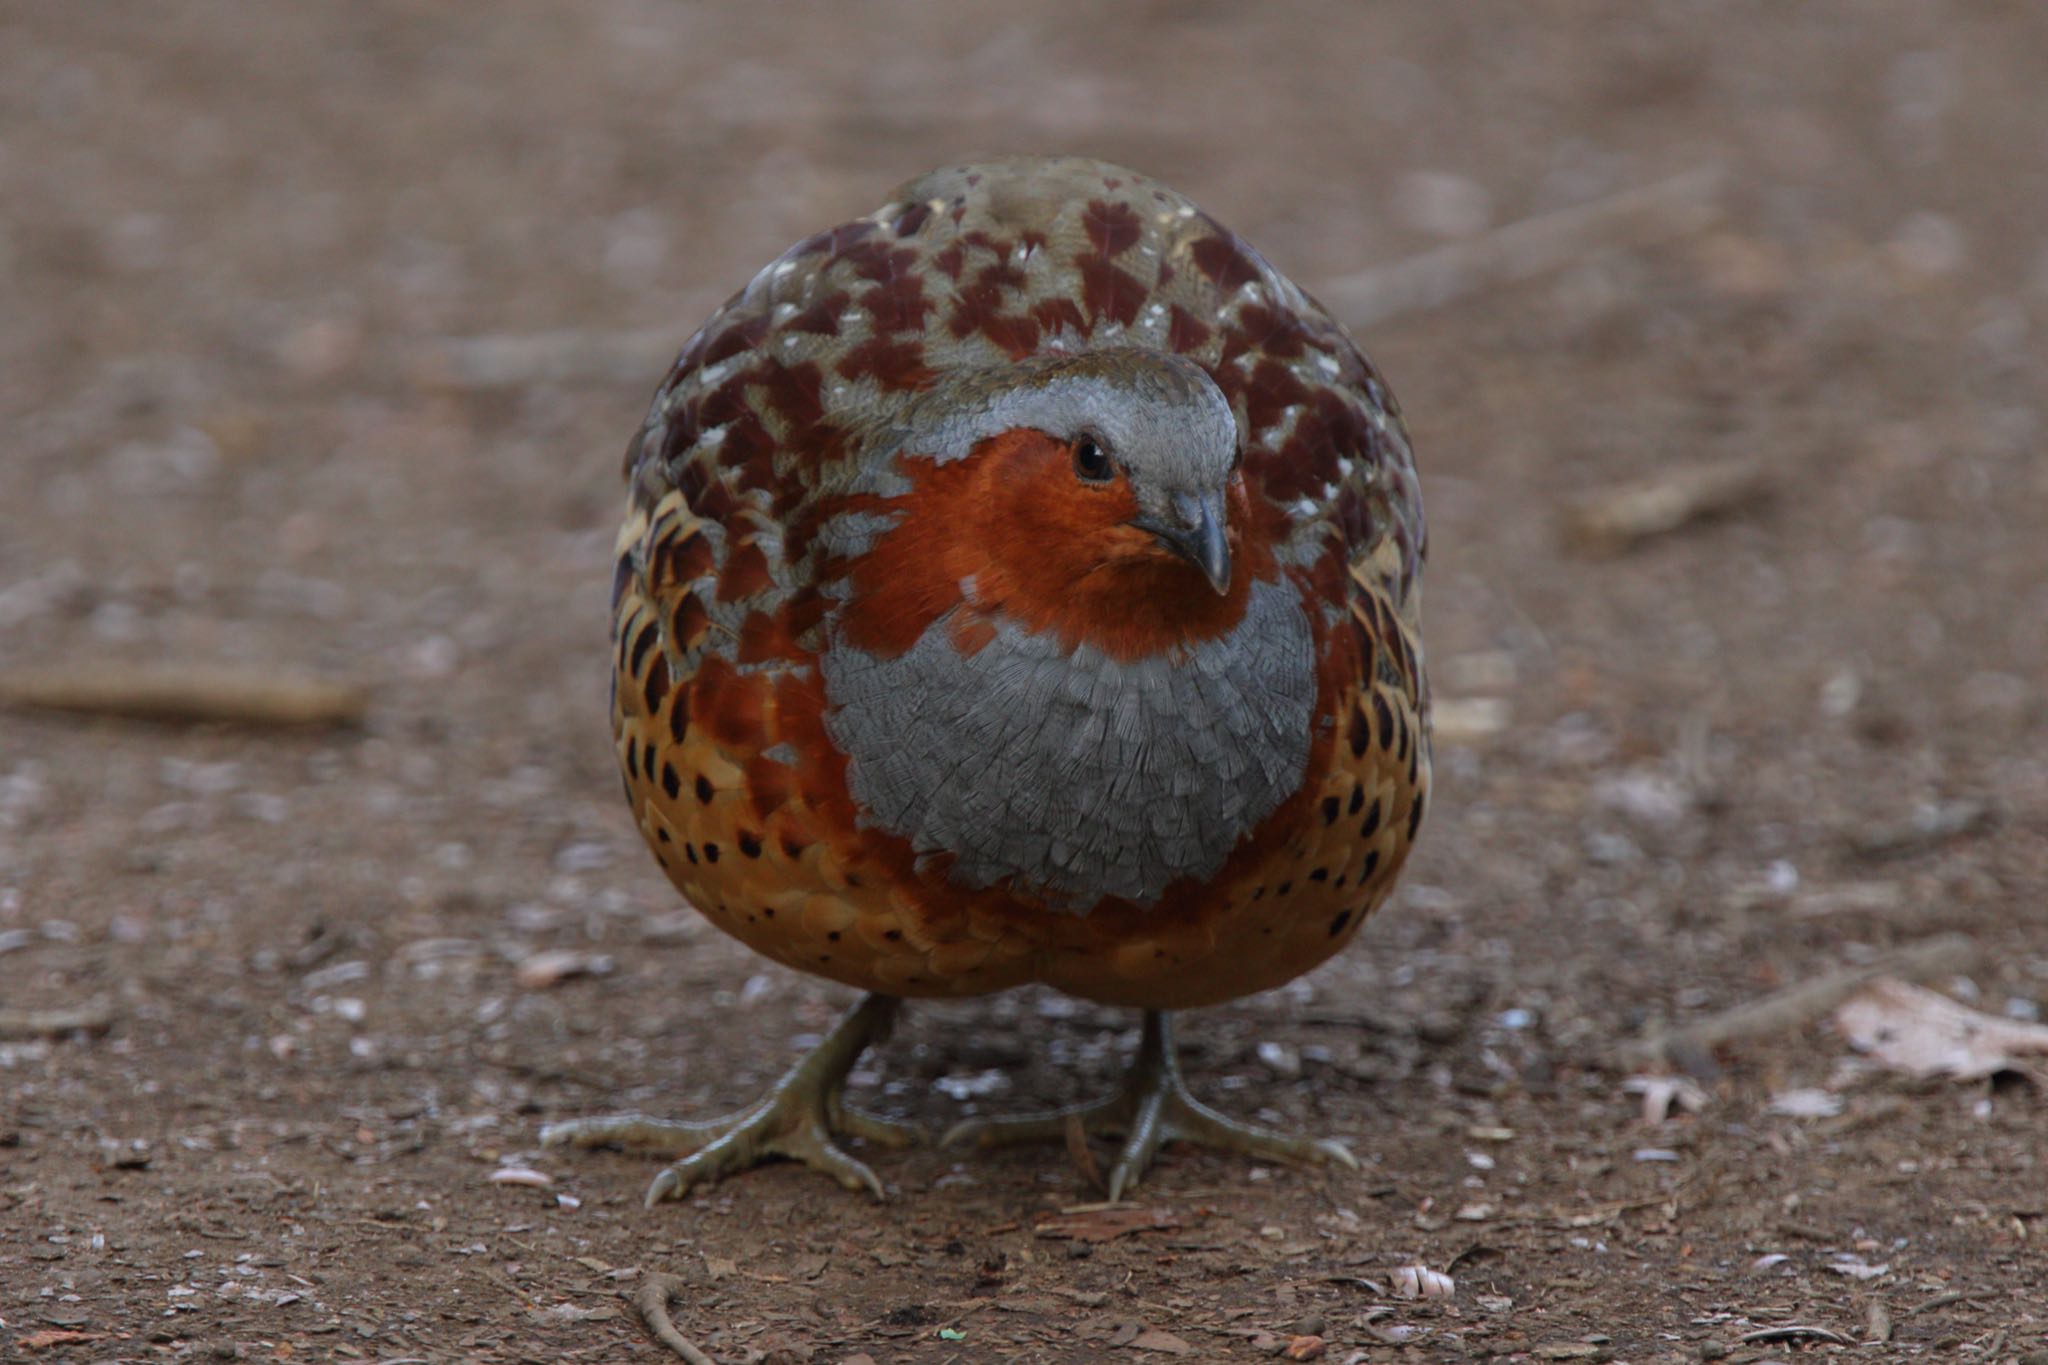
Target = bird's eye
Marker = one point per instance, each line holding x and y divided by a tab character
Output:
1237	459
1091	461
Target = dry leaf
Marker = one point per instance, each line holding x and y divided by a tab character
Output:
1925	1033
1305	1348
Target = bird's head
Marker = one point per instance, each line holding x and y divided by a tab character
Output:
1118	462
1098	494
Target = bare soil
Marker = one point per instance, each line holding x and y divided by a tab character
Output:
226	233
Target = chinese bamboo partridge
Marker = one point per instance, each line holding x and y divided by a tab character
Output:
1018	584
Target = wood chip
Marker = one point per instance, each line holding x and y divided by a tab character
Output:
1617	519
555	965
189	693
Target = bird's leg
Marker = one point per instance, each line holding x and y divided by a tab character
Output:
798	1118
1153	1108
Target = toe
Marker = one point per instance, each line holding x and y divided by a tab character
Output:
881	1131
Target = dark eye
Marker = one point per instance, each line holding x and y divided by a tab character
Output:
1237	459
1091	461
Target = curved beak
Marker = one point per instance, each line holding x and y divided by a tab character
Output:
1195	531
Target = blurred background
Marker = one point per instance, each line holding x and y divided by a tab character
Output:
323	327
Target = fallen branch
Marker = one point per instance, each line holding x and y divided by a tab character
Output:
1676	207
94	1017
1796	1006
652	1299
175	692
1522	251
1611	521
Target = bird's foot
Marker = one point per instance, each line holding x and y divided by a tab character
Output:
1152	1109
800	1118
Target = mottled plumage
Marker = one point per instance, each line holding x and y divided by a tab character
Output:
1021	584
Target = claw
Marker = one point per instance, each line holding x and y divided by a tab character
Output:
667	1185
798	1119
1152	1109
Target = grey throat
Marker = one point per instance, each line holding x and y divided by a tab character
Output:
1069	774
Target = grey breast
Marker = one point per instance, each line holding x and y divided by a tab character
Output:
1069	774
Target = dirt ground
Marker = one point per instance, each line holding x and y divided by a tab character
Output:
1737	757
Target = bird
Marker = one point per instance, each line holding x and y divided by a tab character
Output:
1018	584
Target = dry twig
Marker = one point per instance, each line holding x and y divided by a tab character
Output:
1614	520
651	1299
1796	1006
182	692
94	1017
